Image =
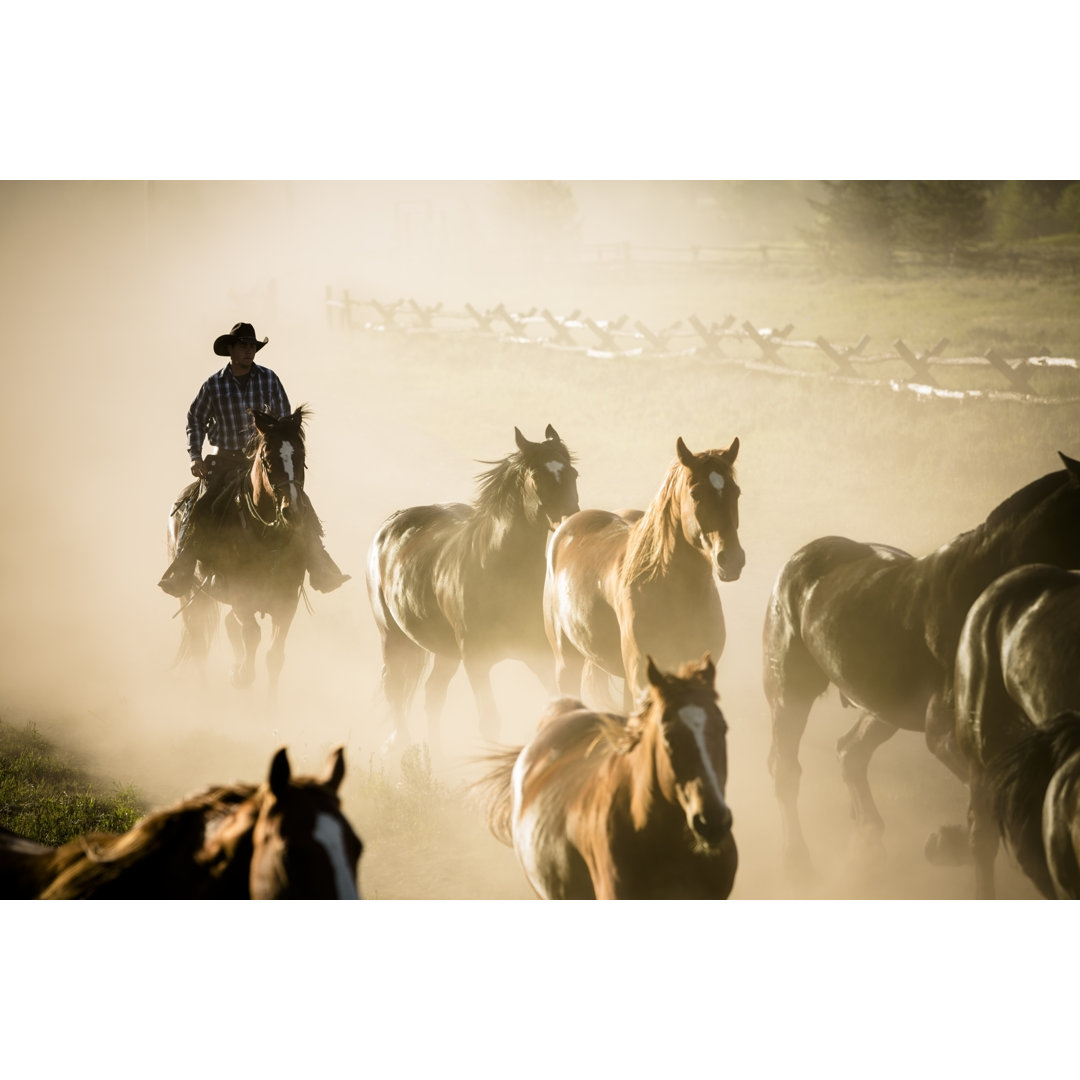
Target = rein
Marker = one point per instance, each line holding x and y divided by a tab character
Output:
279	518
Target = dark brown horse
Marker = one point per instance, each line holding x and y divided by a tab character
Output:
607	807
1034	789
620	585
884	628
463	584
285	839
1017	671
255	560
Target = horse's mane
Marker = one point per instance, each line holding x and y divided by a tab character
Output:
651	543
1019	778
83	866
1019	503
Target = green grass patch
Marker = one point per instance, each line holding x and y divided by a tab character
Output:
46	796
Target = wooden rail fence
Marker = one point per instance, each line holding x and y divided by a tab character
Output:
768	349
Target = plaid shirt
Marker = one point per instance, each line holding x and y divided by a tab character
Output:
219	411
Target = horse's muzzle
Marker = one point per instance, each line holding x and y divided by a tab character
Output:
729	563
712	831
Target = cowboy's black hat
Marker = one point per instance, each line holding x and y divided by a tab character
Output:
242	331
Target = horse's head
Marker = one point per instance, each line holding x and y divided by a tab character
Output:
550	477
303	846
710	507
691	756
278	464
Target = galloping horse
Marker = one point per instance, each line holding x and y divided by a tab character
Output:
464	583
1035	791
285	839
620	585
884	628
607	807
1017	671
256	559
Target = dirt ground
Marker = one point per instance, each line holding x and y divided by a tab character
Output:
94	449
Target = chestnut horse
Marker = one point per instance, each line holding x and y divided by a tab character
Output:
884	628
463	584
1017	672
285	839
620	585
607	807
255	560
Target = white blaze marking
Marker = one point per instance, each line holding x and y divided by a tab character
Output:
717	481
330	833
287	462
693	716
556	468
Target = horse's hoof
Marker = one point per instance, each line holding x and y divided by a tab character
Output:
949	846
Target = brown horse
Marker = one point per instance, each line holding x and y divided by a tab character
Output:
884	628
285	839
1017	671
607	807
463	584
620	585
255	560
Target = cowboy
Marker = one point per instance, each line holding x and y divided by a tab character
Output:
220	415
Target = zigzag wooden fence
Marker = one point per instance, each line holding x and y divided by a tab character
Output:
766	349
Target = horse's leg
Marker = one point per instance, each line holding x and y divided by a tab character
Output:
792	683
478	669
569	664
543	667
244	633
435	697
985	838
403	665
280	621
941	735
854	749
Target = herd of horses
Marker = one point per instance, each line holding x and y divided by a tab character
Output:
977	645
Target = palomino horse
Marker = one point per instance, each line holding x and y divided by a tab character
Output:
463	584
256	558
285	839
607	807
1017	671
884	628
620	585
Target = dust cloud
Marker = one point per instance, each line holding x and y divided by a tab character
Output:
113	295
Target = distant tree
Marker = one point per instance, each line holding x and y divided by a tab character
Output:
939	216
1025	209
855	226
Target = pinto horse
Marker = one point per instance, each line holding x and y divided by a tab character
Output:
286	839
884	628
1017	672
463	584
255	559
620	585
607	807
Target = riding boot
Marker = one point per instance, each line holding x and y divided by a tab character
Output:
179	579
322	570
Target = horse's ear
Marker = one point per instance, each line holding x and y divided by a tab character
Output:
707	668
522	442
654	674
263	421
685	456
732	452
551	433
1071	464
280	773
335	769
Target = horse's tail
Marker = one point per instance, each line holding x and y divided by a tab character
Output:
200	618
495	793
1019	778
